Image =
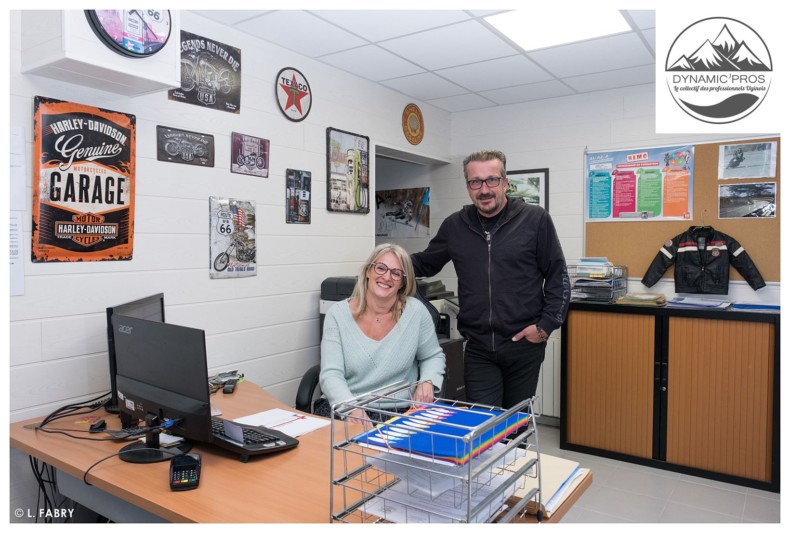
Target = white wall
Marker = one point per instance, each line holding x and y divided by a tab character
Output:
266	326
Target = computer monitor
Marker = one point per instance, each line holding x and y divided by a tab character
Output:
150	308
162	377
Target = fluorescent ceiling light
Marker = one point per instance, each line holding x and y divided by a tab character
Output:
532	29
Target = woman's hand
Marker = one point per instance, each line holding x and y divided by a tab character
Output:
424	392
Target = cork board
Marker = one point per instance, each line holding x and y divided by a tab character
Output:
635	244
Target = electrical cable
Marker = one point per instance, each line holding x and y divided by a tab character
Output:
85	475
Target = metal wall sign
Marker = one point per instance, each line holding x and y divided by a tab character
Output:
186	147
210	74
293	93
83	182
249	155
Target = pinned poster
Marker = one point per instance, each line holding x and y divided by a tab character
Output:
639	184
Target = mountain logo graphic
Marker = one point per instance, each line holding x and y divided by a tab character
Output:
718	70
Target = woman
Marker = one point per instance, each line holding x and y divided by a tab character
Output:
379	336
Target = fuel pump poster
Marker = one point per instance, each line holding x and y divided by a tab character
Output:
210	74
83	182
640	184
347	184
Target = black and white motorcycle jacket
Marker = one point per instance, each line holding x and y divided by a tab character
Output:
702	258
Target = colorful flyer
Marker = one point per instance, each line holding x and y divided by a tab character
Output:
83	182
640	184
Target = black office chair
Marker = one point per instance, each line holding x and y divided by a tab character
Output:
309	383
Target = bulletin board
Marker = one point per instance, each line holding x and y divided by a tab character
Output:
635	244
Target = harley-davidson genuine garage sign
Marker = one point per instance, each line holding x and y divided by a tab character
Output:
83	183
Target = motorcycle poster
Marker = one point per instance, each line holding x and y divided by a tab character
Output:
403	213
210	74
249	155
232	248
83	183
297	196
747	160
185	147
639	184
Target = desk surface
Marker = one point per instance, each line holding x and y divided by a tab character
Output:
292	486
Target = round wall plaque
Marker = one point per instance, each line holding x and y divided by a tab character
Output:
413	126
293	94
131	33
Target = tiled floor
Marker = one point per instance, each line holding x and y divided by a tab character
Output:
625	492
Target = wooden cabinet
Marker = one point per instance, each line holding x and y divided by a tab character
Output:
685	390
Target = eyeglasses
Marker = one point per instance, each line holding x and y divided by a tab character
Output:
491	181
381	269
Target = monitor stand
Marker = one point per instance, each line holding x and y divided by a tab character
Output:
150	451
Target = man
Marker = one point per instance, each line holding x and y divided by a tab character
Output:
513	285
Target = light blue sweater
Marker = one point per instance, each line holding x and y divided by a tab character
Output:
353	364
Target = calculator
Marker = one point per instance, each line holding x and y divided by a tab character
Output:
185	472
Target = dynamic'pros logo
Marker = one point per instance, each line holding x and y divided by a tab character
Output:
718	70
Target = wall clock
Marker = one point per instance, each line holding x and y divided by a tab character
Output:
133	32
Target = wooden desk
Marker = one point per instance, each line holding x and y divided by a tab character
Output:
288	487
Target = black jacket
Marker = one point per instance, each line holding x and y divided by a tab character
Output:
702	258
513	278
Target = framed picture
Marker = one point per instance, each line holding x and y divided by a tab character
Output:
531	185
347	183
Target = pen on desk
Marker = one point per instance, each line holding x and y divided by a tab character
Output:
294	419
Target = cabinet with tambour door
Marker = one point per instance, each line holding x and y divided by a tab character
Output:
692	391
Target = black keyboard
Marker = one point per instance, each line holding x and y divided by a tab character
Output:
257	440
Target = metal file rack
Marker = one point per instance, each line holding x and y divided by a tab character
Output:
392	483
598	283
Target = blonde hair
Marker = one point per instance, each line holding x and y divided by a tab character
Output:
408	283
486	155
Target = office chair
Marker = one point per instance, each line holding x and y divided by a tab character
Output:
309	382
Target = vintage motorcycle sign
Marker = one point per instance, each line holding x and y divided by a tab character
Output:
83	184
186	147
210	74
249	155
232	251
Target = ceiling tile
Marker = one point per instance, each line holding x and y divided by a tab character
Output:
596	55
644	18
462	102
650	35
610	80
230	17
427	86
465	42
372	63
378	25
525	93
503	72
300	32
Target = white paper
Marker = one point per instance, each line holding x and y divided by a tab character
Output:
290	423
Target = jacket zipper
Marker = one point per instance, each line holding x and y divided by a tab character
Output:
490	296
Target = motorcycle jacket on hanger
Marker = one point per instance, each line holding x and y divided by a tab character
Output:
702	258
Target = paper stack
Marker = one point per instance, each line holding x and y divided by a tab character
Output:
644	299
